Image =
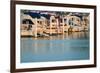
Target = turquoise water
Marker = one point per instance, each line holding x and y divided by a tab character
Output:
70	46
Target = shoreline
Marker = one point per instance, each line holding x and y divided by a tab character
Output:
49	35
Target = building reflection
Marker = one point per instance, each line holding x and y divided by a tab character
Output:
53	43
66	45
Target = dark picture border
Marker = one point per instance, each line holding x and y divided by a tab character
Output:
13	35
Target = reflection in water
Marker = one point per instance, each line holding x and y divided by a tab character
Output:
69	46
78	35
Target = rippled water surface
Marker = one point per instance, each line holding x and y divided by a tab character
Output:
70	46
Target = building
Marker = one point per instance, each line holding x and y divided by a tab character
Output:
46	23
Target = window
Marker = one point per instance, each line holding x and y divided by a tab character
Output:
27	21
53	20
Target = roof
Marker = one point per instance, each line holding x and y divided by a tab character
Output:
80	15
37	15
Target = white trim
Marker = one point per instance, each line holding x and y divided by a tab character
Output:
51	64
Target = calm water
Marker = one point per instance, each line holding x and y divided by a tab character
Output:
70	46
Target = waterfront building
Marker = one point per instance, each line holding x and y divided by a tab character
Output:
46	23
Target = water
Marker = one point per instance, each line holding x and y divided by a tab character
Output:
70	46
